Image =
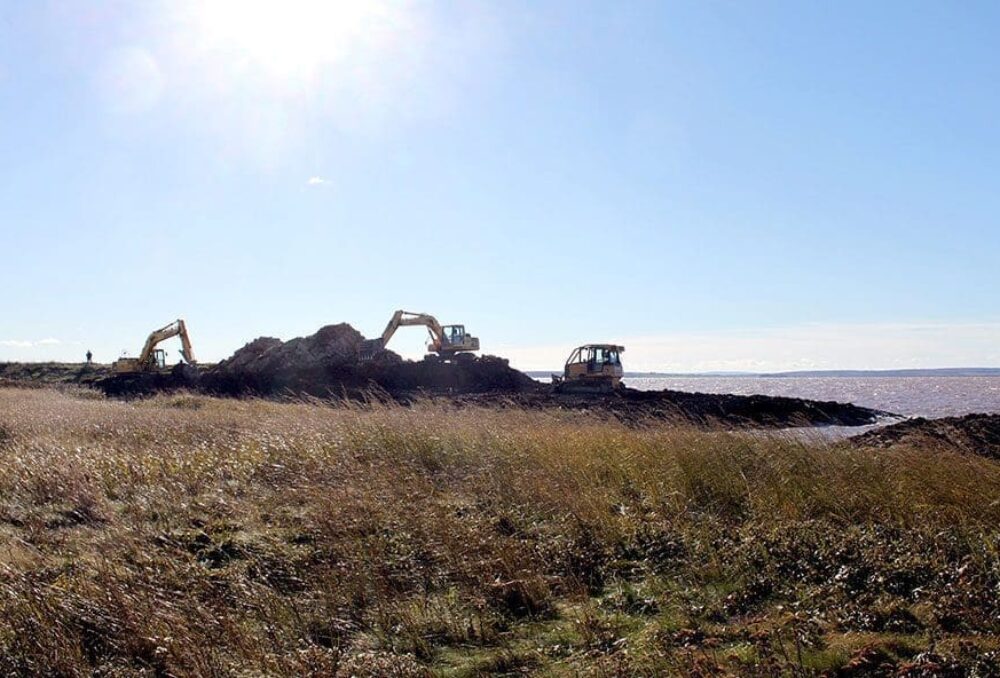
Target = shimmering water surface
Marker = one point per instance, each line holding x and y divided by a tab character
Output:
907	396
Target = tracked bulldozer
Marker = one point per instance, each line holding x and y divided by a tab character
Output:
591	368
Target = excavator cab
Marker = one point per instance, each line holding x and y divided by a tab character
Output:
454	335
454	339
159	359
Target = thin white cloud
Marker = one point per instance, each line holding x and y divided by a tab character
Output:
317	181
21	343
829	346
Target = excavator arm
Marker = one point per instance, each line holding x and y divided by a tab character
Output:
407	318
174	329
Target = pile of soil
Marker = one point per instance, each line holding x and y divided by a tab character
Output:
331	345
318	364
703	409
972	433
327	363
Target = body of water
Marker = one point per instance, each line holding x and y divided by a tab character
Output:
907	396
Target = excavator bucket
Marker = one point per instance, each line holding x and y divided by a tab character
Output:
369	349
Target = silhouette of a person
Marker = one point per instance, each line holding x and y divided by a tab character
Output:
90	356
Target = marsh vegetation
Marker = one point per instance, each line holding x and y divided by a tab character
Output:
190	536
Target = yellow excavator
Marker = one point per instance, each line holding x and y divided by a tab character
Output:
447	341
591	368
153	359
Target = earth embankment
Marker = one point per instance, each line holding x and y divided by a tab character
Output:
973	434
86	374
702	409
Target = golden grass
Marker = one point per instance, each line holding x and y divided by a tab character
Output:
185	535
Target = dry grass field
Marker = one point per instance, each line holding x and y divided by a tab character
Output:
191	536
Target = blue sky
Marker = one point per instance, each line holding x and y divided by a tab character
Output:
718	185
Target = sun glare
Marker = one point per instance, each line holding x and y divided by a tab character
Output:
293	39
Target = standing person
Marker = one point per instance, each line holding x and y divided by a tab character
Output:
90	356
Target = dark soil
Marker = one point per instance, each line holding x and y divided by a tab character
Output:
53	373
181	376
326	363
973	433
707	409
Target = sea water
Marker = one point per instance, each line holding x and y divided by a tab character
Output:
907	396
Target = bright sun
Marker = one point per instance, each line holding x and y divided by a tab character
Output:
291	39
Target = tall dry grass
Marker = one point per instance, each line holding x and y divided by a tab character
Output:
185	535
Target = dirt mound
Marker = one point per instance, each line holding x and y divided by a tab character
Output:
332	344
327	363
973	433
250	357
318	364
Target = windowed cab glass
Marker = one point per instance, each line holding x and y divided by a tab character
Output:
454	334
455	340
159	359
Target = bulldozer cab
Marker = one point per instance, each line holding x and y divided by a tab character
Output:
597	366
595	357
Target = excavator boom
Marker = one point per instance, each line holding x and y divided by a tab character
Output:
408	318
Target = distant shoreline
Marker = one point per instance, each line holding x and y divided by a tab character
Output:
934	372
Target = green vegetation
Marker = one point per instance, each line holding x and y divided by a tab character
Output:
192	536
